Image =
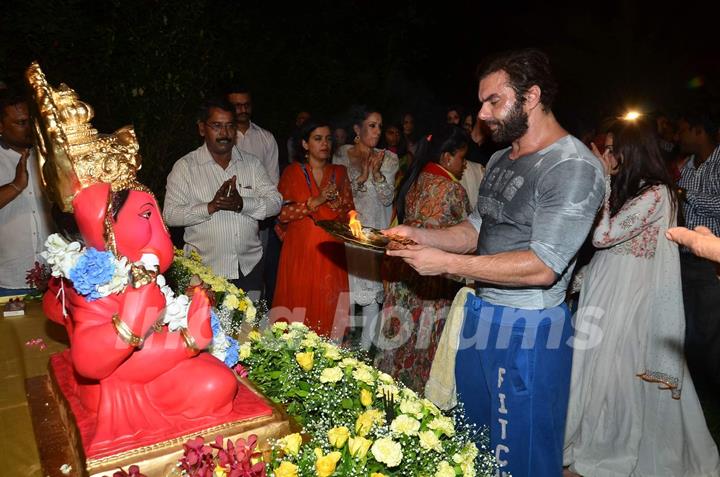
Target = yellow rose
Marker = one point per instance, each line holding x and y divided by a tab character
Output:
365	421
404	424
243	305
219	471
359	446
254	335
291	443
331	375
387	451
280	326
337	436
305	360
377	474
366	397
286	469
325	464
412	407
429	441
444	469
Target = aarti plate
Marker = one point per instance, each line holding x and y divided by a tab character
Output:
375	239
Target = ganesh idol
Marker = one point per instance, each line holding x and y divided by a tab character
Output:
128	378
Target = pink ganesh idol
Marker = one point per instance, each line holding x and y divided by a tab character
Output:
129	381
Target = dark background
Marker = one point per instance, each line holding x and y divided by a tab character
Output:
150	63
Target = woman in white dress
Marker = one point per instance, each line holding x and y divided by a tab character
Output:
633	409
372	176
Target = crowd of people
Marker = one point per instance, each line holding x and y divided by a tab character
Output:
604	377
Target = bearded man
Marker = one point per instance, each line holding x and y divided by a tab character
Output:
535	207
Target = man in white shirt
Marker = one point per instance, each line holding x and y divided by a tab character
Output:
25	220
261	143
252	138
220	193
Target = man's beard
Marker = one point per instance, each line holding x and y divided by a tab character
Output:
513	127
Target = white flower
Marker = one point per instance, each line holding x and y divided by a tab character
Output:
412	407
219	346
430	441
175	314
363	374
251	311
348	362
387	451
150	261
404	424
430	407
331	375
61	255
296	325
445	470
119	280
65	469
332	352
385	378
443	424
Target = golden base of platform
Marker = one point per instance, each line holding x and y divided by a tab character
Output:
58	439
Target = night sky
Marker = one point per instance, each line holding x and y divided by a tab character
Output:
324	56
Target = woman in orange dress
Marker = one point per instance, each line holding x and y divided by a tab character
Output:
312	283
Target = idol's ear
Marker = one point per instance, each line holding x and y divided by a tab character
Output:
90	206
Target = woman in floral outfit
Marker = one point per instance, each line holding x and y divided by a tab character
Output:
416	306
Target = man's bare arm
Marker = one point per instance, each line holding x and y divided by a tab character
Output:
460	238
520	268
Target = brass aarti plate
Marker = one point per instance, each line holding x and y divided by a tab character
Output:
375	239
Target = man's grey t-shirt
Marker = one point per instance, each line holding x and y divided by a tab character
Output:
545	202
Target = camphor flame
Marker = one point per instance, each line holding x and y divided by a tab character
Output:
356	226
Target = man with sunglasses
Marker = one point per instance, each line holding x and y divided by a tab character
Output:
220	194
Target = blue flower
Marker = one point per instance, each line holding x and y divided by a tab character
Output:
92	269
231	354
215	323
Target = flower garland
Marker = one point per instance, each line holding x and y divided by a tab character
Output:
96	274
235	310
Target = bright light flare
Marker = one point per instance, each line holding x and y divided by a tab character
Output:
631	115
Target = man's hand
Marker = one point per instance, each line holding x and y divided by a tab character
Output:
227	197
425	260
413	233
701	241
21	173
